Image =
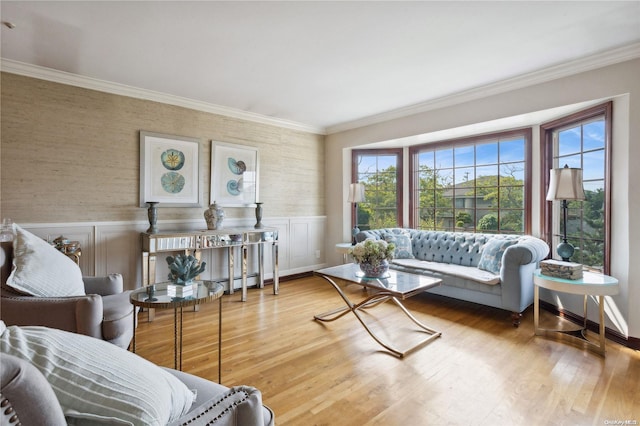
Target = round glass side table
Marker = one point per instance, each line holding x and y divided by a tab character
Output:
155	296
590	284
343	248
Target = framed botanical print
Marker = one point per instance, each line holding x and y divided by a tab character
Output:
169	170
234	174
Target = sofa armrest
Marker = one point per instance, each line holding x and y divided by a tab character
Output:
516	273
27	398
239	405
207	393
79	314
104	286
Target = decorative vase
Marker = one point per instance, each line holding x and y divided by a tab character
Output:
371	270
258	224
214	216
152	212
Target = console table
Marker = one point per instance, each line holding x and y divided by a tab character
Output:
193	242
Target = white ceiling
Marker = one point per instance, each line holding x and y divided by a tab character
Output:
321	64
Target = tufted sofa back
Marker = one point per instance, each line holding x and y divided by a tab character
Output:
460	248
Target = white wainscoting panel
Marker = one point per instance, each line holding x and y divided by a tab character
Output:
115	247
74	232
118	250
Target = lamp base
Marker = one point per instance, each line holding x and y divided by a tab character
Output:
565	250
355	231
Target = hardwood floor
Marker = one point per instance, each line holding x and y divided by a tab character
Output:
482	371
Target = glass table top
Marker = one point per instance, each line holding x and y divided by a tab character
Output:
159	298
400	284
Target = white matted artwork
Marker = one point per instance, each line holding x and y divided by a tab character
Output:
234	174
169	170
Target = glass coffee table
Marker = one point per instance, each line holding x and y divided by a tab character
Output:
396	286
155	296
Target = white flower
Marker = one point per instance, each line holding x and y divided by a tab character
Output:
372	251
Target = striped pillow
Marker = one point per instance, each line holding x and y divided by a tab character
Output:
97	381
41	270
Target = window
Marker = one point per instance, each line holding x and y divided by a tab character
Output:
381	172
478	184
581	140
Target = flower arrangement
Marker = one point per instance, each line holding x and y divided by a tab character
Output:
183	268
372	251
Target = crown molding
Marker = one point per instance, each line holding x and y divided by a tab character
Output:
62	77
588	63
599	60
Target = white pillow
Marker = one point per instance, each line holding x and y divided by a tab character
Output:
41	270
96	380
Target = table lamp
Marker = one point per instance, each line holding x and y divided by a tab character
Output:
565	184
356	195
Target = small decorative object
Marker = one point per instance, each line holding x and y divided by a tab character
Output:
561	269
65	245
152	212
373	256
258	224
184	268
181	291
214	216
151	292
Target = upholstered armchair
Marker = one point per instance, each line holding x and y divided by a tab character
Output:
81	380
104	311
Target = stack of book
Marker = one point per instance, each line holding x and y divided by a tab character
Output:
181	291
560	269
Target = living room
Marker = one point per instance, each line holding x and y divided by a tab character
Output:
71	159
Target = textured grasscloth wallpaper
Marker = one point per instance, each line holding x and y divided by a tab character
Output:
72	155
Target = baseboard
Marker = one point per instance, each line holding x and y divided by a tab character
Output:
290	277
630	342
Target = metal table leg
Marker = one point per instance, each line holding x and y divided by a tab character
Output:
372	301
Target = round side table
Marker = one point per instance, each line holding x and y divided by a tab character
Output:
158	298
343	248
590	284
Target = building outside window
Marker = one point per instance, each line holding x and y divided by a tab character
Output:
477	184
581	140
380	170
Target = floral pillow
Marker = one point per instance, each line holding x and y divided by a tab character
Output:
402	242
492	251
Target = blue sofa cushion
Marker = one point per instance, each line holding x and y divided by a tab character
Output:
491	256
402	242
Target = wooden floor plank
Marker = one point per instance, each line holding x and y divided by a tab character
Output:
482	371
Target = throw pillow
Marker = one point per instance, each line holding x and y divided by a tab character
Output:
41	270
491	256
97	381
403	245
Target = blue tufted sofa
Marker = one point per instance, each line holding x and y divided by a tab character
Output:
493	270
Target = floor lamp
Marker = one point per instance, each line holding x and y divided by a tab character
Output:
356	195
565	184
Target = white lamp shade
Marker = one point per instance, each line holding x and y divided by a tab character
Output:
565	184
356	193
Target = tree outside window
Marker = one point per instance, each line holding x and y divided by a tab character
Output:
472	185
